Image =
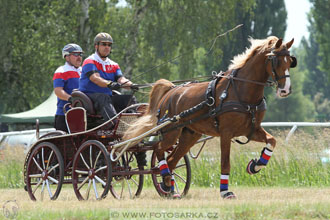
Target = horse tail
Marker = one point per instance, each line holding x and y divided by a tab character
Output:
149	119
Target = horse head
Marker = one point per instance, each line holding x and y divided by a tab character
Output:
278	63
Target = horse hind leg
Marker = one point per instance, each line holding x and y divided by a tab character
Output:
187	139
255	165
169	139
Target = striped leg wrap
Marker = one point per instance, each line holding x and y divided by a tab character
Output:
172	183
174	194
165	172
224	179
265	156
255	165
163	167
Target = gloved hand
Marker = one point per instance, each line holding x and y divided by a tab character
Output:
113	85
70	100
134	87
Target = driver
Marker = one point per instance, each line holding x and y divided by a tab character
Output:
100	75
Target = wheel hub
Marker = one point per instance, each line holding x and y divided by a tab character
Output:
44	174
91	173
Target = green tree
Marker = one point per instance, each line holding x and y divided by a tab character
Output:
314	62
36	31
321	20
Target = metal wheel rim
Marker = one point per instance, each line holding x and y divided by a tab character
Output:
126	186
91	171
45	171
179	179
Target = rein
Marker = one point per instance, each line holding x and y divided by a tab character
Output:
268	83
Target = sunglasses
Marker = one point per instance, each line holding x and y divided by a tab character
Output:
76	54
106	44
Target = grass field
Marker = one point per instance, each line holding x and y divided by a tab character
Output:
295	185
201	203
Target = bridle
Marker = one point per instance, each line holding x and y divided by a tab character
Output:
273	57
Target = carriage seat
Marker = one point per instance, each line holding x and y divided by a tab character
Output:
76	120
80	99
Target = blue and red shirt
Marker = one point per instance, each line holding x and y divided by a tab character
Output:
108	70
66	76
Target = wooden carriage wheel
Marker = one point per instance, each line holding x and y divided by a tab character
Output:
123	185
182	175
44	172
91	171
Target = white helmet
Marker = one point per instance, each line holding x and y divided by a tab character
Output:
71	48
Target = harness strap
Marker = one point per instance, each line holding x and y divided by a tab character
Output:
230	106
223	107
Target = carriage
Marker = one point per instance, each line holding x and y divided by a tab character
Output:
106	158
82	157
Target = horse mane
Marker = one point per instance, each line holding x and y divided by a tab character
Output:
258	46
149	119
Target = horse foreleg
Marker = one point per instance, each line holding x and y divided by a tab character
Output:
225	167
260	135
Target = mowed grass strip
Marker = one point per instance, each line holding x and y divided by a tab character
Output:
252	203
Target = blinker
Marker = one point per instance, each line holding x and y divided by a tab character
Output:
294	62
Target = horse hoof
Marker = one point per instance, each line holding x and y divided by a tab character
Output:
251	167
175	195
228	195
163	189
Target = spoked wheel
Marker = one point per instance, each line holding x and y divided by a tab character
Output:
126	185
91	171
182	175
45	172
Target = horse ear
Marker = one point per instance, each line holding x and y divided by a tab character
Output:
289	44
278	43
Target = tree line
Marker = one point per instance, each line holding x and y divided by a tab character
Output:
148	35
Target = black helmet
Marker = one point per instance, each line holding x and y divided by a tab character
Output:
70	48
102	37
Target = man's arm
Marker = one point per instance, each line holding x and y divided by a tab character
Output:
59	92
98	80
123	80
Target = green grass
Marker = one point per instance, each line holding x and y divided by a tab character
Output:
11	167
249	211
294	185
252	203
297	163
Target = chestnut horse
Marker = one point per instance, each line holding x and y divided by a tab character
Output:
229	106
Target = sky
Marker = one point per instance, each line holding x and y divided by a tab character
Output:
297	19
